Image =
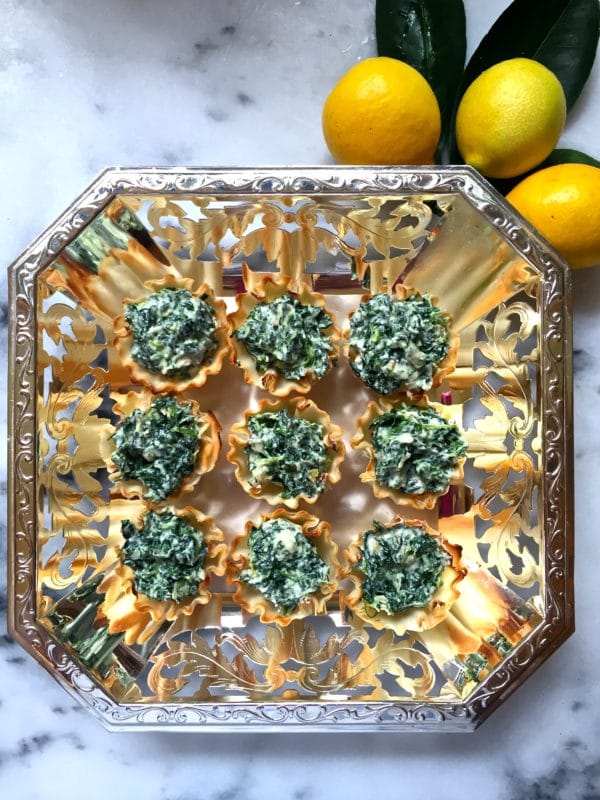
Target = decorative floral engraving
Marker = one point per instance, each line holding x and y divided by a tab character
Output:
61	416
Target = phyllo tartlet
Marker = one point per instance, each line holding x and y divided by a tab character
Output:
282	337
284	566
174	336
286	451
401	342
166	561
415	449
405	576
162	446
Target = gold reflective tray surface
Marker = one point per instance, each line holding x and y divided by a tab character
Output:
213	666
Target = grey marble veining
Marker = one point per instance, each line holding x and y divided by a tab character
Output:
98	82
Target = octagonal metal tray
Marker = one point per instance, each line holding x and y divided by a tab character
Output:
444	231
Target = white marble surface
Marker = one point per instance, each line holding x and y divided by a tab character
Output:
86	83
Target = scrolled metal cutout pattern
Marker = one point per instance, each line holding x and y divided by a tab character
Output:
419	696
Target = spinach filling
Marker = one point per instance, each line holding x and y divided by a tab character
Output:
403	567
287	336
284	565
159	446
289	451
166	555
397	344
173	332
415	449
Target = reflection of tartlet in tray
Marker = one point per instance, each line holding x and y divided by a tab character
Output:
401	342
286	451
166	561
415	450
162	446
284	567
283	337
405	576
173	336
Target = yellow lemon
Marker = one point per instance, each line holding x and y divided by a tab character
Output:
510	118
382	111
562	202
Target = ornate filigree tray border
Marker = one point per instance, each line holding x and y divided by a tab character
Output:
556	414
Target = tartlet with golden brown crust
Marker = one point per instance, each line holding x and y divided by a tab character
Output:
288	441
381	364
297	295
253	600
207	435
139	616
363	440
412	618
197	374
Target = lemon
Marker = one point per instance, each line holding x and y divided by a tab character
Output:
510	118
562	202
382	111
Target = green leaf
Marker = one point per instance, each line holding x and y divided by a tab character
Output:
561	34
430	35
564	156
559	156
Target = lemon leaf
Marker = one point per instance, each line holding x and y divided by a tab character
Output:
430	35
565	156
561	155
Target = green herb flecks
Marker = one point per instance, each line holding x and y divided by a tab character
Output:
474	665
397	344
287	450
287	336
284	565
173	332
403	567
159	446
166	555
500	643
415	449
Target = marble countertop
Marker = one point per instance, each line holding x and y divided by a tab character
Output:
85	84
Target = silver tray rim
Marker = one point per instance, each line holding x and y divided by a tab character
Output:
557	438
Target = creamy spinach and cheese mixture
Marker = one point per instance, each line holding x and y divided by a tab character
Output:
403	567
173	332
284	565
288	337
287	450
415	449
397	344
166	555
159	446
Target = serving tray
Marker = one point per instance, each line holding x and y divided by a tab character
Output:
444	231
